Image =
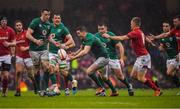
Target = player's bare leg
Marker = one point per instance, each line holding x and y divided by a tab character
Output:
5	78
147	81
68	77
171	71
18	73
31	75
91	72
103	78
124	80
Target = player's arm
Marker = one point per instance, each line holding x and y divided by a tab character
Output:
9	44
162	35
24	48
80	49
83	52
12	41
31	38
51	40
125	37
150	41
120	48
70	42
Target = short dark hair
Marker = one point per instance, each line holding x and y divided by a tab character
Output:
3	17
17	21
81	28
137	20
57	14
45	9
102	23
166	21
177	17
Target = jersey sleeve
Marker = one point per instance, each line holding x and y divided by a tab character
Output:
33	24
131	35
112	35
66	31
88	42
12	35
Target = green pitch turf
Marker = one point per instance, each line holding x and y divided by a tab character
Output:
86	99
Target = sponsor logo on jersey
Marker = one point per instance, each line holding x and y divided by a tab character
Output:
59	30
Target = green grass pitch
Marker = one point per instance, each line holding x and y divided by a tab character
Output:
86	99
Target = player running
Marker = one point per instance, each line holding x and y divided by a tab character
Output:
143	61
169	44
173	32
23	60
7	41
114	62
92	43
38	32
60	37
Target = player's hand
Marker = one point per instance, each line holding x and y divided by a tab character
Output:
6	44
151	37
63	46
70	57
105	35
57	44
24	48
39	42
121	62
71	54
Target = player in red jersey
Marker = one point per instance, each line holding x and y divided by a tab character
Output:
143	61
23	60
174	32
7	40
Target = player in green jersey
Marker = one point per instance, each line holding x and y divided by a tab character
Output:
116	59
169	44
93	44
38	32
60	37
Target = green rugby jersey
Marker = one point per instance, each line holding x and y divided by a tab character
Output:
60	32
170	45
97	47
110	45
41	31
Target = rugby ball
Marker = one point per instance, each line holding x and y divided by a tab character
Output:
62	54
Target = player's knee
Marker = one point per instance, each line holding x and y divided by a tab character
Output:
169	73
105	78
142	79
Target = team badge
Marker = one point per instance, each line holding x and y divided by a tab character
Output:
44	32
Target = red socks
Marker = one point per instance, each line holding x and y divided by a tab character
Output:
151	84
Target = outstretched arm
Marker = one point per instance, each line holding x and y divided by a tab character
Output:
82	52
125	37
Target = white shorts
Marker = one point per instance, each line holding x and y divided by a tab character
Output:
142	62
54	60
101	62
24	61
38	56
173	62
113	64
5	59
